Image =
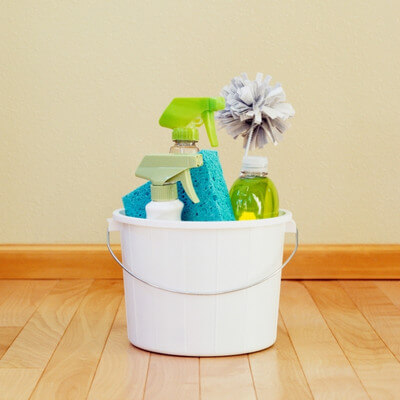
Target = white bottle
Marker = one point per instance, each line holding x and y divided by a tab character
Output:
164	171
165	204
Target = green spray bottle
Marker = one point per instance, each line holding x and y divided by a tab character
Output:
184	115
164	171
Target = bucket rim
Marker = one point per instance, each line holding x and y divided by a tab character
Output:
284	217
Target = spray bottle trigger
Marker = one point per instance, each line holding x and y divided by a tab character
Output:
209	123
187	184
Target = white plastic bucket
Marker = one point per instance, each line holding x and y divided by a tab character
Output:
202	288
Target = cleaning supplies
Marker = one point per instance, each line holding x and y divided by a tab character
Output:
258	112
163	171
207	280
184	116
253	194
210	186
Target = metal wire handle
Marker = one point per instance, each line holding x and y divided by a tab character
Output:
203	293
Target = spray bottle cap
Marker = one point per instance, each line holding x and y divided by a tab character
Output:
185	114
164	170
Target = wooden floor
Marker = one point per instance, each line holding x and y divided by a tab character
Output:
67	339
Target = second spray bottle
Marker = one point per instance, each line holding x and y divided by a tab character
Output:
183	115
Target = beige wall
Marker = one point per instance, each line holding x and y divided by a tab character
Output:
83	83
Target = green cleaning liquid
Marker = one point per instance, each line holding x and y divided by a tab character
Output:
253	195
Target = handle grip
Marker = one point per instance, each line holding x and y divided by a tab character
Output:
289	229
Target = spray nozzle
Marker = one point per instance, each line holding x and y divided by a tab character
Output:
184	114
162	170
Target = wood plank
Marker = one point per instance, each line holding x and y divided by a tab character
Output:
380	312
7	287
7	336
172	378
71	369
326	368
376	366
18	383
277	372
391	290
41	334
368	261
122	371
226	378
20	299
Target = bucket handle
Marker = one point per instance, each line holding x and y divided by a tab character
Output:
290	228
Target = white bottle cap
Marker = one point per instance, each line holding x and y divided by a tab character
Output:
255	164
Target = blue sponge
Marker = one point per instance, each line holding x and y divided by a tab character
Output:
209	183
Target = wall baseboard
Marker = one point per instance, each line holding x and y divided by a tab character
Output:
368	261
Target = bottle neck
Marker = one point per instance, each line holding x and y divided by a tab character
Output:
251	174
184	147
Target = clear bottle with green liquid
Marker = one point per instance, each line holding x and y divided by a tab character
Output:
254	195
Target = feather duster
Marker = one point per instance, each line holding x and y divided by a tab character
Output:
255	110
